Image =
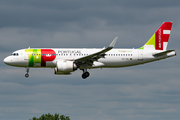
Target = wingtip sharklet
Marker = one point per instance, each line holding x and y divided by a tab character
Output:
113	42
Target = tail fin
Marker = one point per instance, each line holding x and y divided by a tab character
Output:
159	40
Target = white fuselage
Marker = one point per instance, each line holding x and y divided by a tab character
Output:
113	58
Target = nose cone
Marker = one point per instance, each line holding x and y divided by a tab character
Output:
7	60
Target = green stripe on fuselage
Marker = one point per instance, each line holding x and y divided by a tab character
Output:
34	56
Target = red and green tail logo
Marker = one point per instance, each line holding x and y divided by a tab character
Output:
159	40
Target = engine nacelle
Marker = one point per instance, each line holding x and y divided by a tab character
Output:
65	66
60	73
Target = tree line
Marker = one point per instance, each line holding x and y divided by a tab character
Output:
51	117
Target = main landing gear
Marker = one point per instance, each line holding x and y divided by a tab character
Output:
27	71
85	74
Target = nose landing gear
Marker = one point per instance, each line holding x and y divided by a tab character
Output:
27	75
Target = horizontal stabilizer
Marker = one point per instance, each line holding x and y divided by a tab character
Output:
163	53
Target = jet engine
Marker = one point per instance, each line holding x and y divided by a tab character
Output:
65	67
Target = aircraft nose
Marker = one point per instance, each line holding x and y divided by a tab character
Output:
7	60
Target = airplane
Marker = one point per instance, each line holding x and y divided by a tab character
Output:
67	60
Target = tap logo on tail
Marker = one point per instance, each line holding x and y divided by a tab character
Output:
159	40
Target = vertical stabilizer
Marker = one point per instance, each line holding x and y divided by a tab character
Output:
159	40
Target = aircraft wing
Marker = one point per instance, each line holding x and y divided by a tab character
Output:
88	60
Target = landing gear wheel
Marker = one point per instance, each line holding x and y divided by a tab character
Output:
85	75
27	71
26	75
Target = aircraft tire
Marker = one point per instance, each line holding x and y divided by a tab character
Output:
85	75
26	75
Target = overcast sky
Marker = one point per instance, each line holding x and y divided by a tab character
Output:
145	92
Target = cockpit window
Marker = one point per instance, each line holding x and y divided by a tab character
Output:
15	54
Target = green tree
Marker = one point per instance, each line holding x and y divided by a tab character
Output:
56	117
34	118
51	117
